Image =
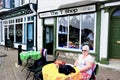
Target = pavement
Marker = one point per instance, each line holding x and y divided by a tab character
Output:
10	70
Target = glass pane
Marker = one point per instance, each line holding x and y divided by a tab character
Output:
32	18
24	19
7	3
30	31
49	34
87	30
28	18
19	33
116	13
63	31
74	30
11	33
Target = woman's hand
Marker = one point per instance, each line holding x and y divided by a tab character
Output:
76	63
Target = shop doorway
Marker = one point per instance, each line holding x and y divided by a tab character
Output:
30	36
114	45
6	29
48	38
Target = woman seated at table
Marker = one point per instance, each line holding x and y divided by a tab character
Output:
85	63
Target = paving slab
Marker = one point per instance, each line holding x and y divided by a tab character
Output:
10	70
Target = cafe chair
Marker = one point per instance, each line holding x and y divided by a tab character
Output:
38	75
8	44
37	64
94	73
36	68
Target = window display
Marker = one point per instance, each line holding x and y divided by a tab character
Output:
87	35
76	30
63	32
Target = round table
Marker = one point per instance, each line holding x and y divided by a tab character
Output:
50	72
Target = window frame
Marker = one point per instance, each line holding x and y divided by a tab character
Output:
80	19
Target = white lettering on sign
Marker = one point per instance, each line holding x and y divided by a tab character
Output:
89	8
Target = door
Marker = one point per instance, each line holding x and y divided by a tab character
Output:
6	29
48	39
30	36
114	48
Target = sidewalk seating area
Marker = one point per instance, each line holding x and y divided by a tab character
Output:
10	70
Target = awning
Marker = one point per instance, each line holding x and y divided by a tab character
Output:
18	11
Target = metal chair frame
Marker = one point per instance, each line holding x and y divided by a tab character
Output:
94	73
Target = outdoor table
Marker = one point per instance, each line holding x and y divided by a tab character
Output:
50	72
35	55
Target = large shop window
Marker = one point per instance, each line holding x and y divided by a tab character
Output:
63	31
76	31
19	33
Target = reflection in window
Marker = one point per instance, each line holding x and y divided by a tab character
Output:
19	33
63	31
74	30
87	31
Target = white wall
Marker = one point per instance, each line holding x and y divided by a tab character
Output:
39	33
26	1
44	5
104	34
104	30
17	3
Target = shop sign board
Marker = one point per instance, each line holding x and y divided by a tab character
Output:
67	11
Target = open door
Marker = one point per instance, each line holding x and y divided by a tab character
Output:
6	29
30	36
48	39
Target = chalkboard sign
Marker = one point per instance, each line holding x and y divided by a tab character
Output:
8	43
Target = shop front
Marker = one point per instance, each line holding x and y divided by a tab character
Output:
82	22
19	26
66	30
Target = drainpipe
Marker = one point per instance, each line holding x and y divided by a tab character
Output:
36	23
35	11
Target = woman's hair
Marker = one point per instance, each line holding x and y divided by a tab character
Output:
86	47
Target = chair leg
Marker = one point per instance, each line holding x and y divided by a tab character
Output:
25	66
34	78
28	75
38	76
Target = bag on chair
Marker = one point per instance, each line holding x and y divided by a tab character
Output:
66	69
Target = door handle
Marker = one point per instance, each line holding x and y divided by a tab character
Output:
118	42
